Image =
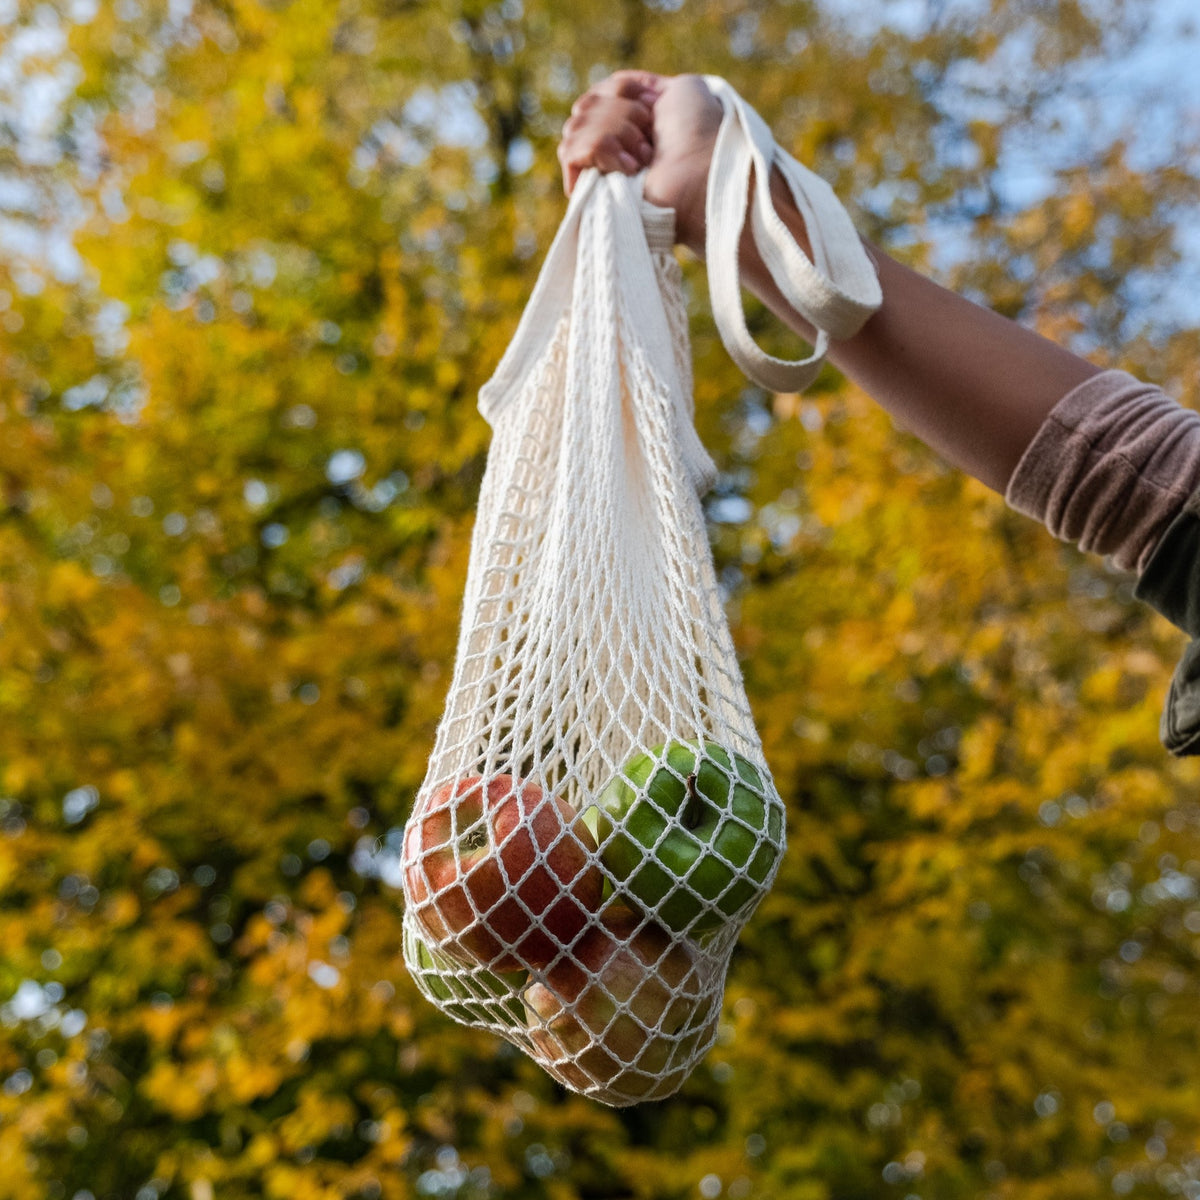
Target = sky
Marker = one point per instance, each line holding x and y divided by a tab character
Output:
1150	94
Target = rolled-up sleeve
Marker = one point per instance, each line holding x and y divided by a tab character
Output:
1111	467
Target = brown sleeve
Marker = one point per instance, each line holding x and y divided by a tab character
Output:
1110	467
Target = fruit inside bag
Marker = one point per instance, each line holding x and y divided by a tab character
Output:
597	942
597	822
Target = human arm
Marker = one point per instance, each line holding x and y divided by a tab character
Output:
973	385
1100	458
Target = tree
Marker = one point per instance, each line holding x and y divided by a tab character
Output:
232	546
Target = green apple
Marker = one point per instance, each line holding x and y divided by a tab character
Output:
469	994
691	834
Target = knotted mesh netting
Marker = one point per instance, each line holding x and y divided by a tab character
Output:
597	822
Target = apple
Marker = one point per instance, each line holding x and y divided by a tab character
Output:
691	834
498	873
469	994
625	1016
607	1082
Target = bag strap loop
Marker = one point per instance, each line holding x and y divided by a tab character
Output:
836	291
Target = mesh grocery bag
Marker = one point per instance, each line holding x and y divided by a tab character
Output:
597	822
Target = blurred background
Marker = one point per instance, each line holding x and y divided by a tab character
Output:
257	258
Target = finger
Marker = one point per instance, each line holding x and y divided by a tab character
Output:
607	155
568	159
607	111
632	84
636	141
630	123
583	104
639	113
606	132
611	155
637	133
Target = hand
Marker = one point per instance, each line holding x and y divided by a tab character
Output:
610	127
668	123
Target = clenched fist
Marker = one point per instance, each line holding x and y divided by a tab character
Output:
635	120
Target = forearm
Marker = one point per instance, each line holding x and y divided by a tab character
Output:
973	385
1099	457
1108	465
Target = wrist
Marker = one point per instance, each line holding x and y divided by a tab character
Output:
682	185
785	206
690	225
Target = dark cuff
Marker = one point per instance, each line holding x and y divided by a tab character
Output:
1180	725
1170	584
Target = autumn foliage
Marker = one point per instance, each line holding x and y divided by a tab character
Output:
238	461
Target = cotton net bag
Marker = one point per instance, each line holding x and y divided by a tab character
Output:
597	822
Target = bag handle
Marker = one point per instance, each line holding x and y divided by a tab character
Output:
836	291
607	214
551	297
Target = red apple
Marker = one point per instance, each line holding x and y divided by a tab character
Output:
502	876
627	1011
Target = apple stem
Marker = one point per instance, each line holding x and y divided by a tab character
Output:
475	840
694	811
